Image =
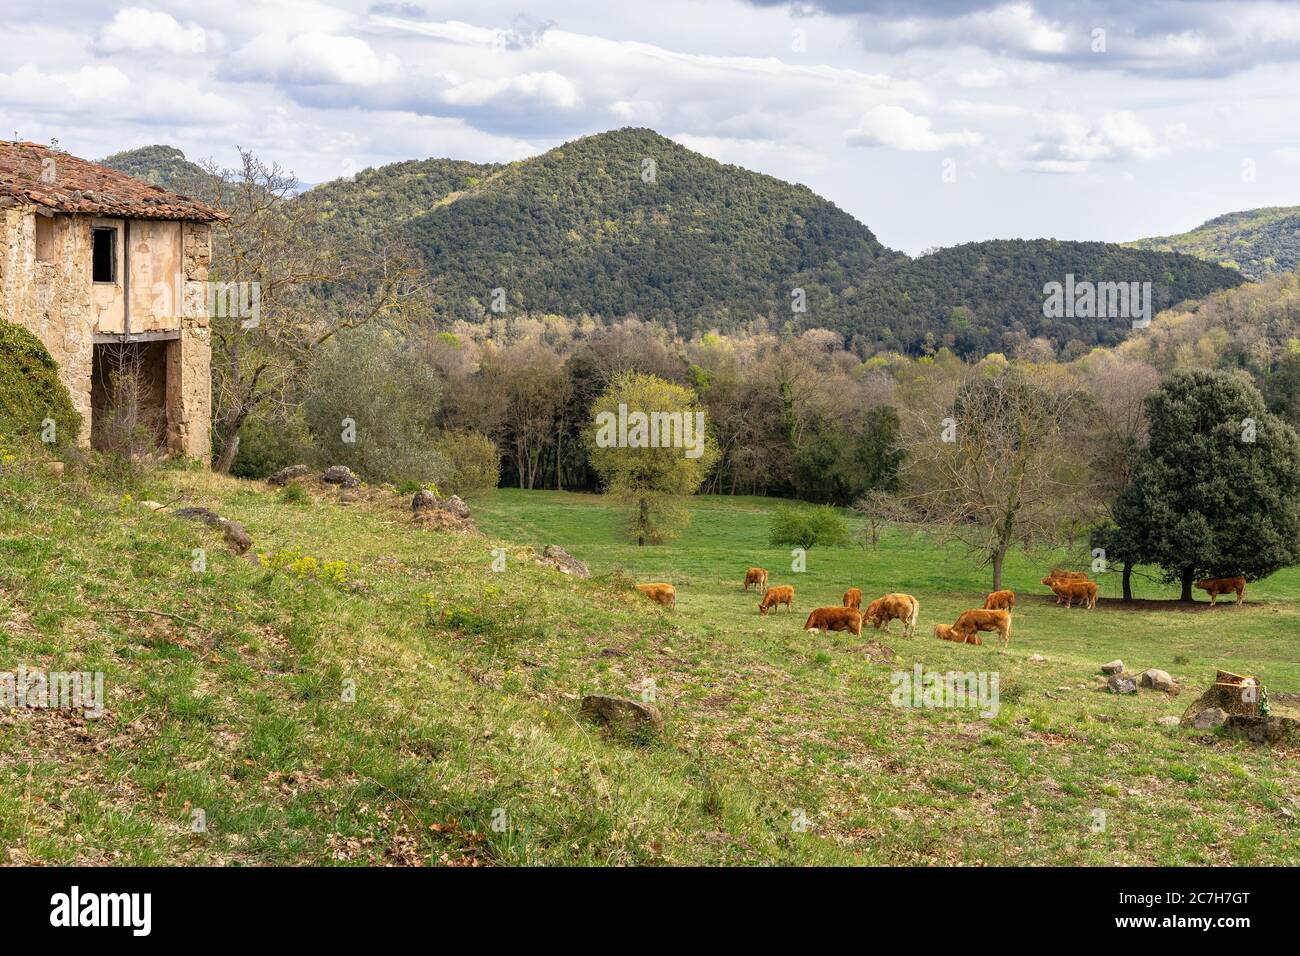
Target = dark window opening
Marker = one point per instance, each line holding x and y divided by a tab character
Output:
105	255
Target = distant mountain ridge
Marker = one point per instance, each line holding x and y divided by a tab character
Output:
1258	242
631	223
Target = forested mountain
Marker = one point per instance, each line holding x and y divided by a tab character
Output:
629	223
1259	242
163	166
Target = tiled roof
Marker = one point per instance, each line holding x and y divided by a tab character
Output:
69	184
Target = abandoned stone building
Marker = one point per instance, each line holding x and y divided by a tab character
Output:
111	274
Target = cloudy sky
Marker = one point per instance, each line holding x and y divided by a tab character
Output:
934	123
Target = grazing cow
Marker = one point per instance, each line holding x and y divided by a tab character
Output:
1216	586
1000	601
834	619
853	598
778	595
1068	575
664	594
1072	589
756	577
945	632
894	606
978	619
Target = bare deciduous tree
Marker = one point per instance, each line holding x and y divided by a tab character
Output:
274	242
995	464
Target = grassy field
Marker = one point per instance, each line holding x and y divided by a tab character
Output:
422	708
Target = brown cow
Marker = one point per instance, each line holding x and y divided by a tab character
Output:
1068	575
853	598
1072	589
1216	586
891	607
756	577
775	596
834	619
979	619
664	594
945	632
1000	601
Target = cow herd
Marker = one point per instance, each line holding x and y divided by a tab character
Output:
1070	587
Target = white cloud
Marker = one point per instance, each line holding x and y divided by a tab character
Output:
895	127
1069	142
136	30
312	59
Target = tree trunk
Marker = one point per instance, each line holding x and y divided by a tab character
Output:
230	444
1128	581
642	522
1188	575
998	557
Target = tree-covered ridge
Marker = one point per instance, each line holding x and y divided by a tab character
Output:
630	223
1259	242
988	296
377	200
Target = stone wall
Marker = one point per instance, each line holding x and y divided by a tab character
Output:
52	299
55	300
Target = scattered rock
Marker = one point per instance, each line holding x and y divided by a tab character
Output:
1036	658
456	506
206	515
235	535
1114	667
285	475
424	500
621	714
340	475
1168	721
553	556
1122	684
1158	680
153	506
1210	718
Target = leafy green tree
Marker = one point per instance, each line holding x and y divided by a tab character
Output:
805	527
649	484
1217	491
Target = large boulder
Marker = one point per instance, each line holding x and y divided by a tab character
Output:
424	500
1121	684
622	715
1210	718
553	556
235	535
1158	680
286	475
340	475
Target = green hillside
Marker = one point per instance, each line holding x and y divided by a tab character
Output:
419	708
1258	242
163	166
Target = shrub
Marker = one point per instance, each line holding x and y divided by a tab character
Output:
30	390
371	407
805	527
473	461
269	443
